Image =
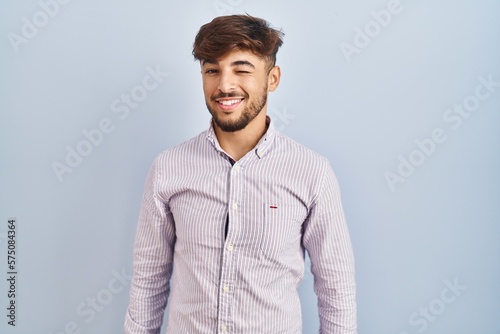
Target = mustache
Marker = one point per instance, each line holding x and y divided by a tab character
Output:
227	95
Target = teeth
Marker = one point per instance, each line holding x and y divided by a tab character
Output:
229	102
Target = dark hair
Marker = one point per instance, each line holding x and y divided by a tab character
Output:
237	32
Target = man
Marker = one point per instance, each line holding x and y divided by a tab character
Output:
228	215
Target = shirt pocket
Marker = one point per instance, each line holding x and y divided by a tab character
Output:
281	230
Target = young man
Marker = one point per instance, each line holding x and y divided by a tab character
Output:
227	216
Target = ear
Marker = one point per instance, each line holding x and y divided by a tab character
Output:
273	78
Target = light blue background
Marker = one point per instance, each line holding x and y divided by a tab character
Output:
440	225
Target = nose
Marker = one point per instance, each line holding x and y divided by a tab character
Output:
227	82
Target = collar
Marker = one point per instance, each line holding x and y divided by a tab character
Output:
260	149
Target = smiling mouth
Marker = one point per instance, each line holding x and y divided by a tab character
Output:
229	104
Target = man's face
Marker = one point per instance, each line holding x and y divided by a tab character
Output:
236	88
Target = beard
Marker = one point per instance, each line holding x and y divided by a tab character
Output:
247	115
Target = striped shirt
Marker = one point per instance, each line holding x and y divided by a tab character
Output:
282	199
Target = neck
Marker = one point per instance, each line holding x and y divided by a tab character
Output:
239	143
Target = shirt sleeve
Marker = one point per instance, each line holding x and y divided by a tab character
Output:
153	260
326	239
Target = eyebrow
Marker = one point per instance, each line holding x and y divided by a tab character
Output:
242	63
234	63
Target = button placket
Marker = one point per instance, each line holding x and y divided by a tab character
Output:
229	252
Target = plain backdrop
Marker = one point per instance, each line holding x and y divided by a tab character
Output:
403	98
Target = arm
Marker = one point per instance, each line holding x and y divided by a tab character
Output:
153	258
327	241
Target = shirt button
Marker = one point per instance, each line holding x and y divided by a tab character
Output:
235	206
230	247
226	288
223	328
237	168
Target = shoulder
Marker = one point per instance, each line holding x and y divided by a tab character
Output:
184	150
291	149
175	160
308	170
